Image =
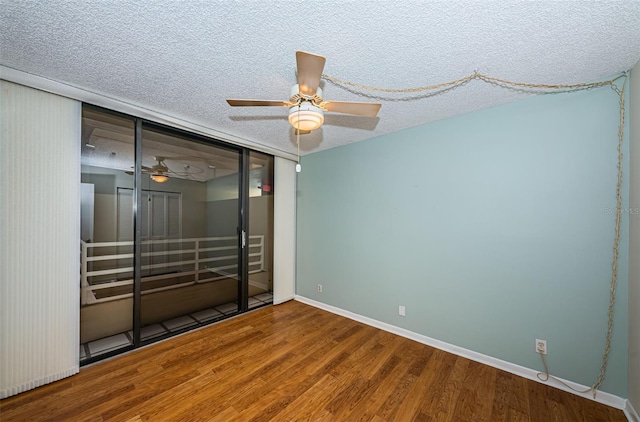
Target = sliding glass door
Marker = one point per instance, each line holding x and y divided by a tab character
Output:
190	232
177	232
106	244
260	229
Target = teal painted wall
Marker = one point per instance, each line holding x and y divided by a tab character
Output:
493	228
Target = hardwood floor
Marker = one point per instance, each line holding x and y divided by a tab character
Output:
294	362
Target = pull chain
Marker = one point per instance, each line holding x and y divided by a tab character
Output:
298	166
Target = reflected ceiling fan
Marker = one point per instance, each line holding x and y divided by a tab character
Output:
160	172
306	105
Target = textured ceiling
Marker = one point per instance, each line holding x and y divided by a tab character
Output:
184	58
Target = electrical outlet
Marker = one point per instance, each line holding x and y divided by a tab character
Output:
401	310
320	288
541	346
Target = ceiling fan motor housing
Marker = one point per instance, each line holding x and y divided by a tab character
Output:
295	93
305	115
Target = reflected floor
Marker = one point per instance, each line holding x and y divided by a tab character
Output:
101	346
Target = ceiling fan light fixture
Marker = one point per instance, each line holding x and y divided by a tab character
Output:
159	178
306	116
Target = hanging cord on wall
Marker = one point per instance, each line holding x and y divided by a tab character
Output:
616	241
546	89
546	376
614	265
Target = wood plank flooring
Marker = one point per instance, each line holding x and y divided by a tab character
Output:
293	362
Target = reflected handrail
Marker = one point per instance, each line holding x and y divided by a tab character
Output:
168	264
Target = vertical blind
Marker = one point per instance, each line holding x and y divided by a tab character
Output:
39	238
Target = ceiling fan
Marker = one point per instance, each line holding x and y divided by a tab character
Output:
306	105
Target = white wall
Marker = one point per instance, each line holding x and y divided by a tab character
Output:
634	239
284	227
39	238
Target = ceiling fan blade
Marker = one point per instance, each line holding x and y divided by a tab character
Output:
256	103
144	169
349	107
310	68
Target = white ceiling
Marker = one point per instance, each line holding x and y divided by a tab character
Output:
184	58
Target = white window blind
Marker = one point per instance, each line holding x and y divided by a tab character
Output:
39	238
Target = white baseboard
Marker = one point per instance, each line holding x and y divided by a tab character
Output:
601	397
279	300
630	412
